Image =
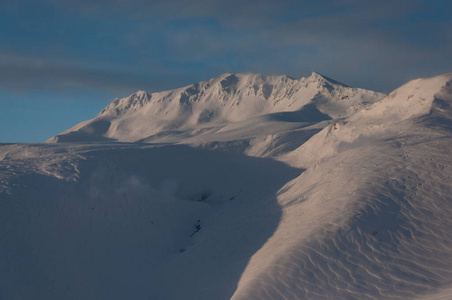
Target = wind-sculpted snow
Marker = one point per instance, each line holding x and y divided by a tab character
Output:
290	189
371	223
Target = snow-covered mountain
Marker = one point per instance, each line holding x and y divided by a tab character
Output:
213	105
320	191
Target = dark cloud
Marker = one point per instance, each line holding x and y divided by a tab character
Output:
131	44
245	13
23	74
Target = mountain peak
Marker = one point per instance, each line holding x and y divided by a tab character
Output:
141	95
322	78
132	102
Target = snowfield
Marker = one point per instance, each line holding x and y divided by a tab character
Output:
244	186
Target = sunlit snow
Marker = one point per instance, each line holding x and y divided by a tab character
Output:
244	186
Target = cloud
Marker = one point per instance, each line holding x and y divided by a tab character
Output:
131	44
244	12
23	73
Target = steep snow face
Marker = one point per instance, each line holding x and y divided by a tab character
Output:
212	104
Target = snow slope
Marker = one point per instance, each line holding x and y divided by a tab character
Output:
216	105
370	216
300	203
119	221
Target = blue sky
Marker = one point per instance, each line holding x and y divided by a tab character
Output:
62	61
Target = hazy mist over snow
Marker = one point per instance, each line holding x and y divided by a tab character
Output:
52	51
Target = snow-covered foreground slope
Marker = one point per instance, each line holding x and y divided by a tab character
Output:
120	221
298	204
371	222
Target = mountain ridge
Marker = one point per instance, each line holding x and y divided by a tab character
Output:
222	100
